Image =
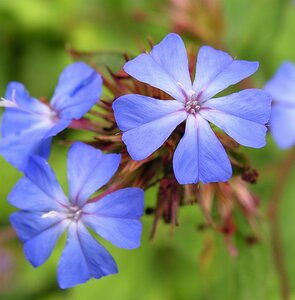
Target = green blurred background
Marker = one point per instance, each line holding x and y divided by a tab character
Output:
193	264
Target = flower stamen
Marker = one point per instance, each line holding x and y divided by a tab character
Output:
192	106
74	213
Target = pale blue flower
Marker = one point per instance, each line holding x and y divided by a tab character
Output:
28	124
46	212
282	89
147	123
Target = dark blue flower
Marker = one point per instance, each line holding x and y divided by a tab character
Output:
282	89
28	125
46	213
146	122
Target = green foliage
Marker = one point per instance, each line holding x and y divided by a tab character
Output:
103	61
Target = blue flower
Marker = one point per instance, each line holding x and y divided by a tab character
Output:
28	124
146	122
282	89
46	213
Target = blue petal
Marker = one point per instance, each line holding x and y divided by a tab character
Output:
44	148
57	128
199	155
34	200
17	148
251	104
132	111
282	125
148	122
217	70
166	67
116	217
78	89
30	113
40	173
241	115
15	121
38	234
88	170
83	258
25	127
281	86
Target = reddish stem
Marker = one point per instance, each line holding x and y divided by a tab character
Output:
84	124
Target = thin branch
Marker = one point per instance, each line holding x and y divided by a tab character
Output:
285	169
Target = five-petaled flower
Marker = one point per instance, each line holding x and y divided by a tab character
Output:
147	122
282	89
28	124
46	213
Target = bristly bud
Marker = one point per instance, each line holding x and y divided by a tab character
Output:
169	198
205	25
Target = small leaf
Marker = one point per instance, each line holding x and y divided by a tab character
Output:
103	61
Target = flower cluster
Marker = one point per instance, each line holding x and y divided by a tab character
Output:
147	122
27	129
160	128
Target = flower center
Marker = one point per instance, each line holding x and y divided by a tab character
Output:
47	113
74	213
192	106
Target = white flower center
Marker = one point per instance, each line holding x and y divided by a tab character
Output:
44	111
72	213
191	104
